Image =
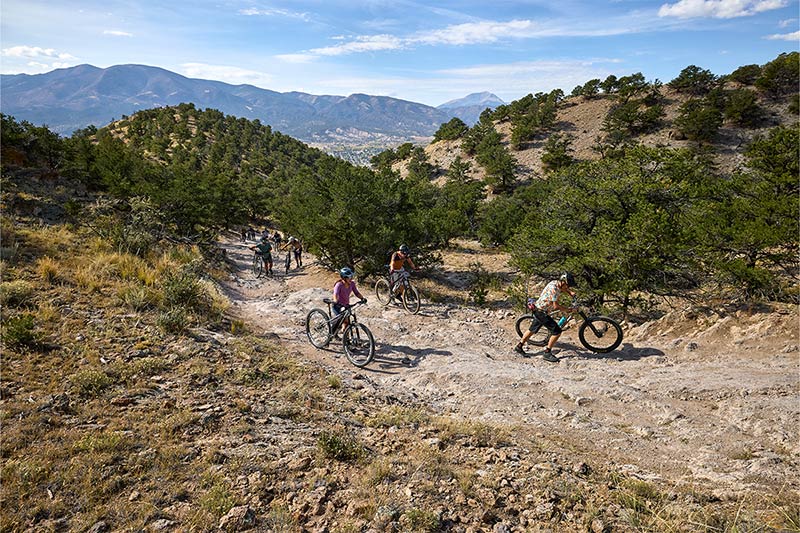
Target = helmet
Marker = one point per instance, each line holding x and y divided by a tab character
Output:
568	278
404	248
346	272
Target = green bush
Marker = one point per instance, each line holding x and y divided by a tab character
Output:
454	129
339	446
746	75
557	151
90	383
183	289
19	331
742	108
16	293
694	80
780	75
698	121
173	320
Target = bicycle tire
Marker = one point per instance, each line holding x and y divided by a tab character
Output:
383	292
288	262
359	344
539	338
411	299
600	334
318	328
258	265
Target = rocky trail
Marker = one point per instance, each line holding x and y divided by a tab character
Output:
685	399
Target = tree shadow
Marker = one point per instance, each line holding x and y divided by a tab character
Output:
392	356
627	352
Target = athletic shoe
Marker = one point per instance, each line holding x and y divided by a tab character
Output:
548	356
520	350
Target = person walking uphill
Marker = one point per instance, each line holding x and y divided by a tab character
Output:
342	290
547	303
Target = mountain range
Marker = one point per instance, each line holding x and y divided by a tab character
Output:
72	98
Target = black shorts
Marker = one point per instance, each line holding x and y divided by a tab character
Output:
543	319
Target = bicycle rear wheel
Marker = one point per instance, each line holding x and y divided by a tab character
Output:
288	262
258	265
318	328
383	292
359	345
539	338
600	334
411	299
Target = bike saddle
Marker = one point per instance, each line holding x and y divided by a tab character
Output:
327	300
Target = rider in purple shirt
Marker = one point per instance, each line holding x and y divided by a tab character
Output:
342	290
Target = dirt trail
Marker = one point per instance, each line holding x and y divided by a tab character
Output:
681	400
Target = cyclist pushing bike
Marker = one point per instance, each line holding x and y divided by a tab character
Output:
547	303
264	249
342	290
397	270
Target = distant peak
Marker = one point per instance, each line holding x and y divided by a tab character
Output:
483	98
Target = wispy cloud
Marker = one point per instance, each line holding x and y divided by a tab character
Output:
786	23
784	36
226	73
117	33
35	52
273	12
723	9
364	43
470	33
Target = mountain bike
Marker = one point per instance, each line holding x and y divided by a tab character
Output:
258	264
600	334
357	339
388	293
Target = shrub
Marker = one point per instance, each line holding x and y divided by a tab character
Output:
16	293
173	320
557	151
182	288
694	80
454	129
780	75
136	297
339	446
20	331
90	383
742	108
746	75
698	121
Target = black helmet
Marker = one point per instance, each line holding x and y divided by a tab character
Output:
346	272
568	278
404	248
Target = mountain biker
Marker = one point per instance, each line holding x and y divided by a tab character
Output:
397	270
548	302
276	238
264	249
297	248
342	290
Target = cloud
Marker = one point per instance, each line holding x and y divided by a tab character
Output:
296	58
364	43
786	23
35	52
724	9
272	12
117	33
226	73
478	32
784	36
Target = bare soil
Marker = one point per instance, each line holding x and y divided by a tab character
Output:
690	398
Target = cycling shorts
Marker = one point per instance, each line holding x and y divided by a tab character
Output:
543	319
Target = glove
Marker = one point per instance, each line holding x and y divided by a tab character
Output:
363	300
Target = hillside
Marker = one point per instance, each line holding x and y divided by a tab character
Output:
583	119
138	396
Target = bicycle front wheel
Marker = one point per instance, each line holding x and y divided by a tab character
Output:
600	334
258	266
539	338
318	328
359	345
383	292
411	299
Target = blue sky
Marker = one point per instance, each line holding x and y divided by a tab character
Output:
428	52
